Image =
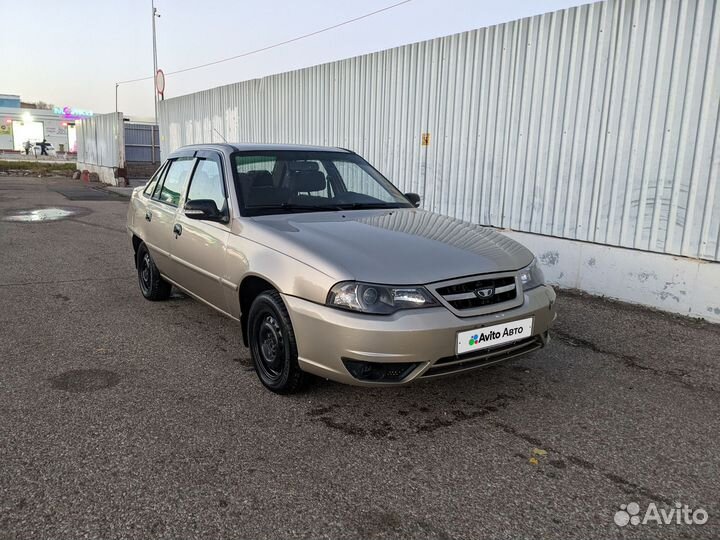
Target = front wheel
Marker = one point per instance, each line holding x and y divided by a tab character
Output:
272	344
152	285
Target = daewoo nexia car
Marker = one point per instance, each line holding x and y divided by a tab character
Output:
331	270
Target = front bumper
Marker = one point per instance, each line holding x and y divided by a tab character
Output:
427	337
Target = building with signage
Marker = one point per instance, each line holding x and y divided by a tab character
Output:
20	122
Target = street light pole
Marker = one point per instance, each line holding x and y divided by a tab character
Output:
152	132
116	103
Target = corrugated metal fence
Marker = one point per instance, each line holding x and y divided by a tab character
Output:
139	140
99	141
596	123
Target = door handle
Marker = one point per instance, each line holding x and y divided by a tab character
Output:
177	230
148	216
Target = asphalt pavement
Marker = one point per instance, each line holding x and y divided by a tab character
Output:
123	418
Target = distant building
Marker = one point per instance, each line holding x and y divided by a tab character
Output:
8	100
21	122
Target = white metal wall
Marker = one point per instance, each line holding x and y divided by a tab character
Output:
596	123
100	141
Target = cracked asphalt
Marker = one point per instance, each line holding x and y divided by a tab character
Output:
122	418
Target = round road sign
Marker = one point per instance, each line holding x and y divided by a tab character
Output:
160	81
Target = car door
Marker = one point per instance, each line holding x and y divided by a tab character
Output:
142	213
160	212
199	246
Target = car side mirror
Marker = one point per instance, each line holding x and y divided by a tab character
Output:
414	198
204	209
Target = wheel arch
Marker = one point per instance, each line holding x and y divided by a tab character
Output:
250	287
136	241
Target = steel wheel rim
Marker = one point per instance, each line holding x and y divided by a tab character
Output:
145	272
269	346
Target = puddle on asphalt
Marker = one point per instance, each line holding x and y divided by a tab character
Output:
40	214
84	380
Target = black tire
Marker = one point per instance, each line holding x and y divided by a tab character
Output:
152	286
272	344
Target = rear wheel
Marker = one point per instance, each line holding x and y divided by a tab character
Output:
272	344
152	285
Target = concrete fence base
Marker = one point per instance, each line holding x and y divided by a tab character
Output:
675	284
108	175
141	170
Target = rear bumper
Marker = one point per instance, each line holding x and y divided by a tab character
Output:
426	337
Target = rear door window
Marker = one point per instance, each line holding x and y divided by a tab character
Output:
175	181
152	184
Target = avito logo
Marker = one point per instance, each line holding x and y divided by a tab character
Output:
682	514
495	334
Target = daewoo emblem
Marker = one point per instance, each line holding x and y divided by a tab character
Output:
485	292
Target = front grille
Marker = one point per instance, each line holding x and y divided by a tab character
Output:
475	359
463	295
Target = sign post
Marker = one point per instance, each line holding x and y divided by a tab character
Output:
160	89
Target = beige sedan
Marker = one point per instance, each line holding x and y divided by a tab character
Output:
330	269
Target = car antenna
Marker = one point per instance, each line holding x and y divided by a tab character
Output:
223	138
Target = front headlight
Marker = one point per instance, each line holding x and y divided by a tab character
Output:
378	299
531	276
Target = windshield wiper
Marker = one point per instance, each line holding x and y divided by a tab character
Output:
296	207
362	206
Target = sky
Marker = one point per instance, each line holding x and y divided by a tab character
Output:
72	52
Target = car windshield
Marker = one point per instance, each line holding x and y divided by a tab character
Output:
286	181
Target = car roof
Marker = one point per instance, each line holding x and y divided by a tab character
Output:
255	147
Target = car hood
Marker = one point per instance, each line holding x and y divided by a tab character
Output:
400	246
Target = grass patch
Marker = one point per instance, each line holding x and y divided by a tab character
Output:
38	167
